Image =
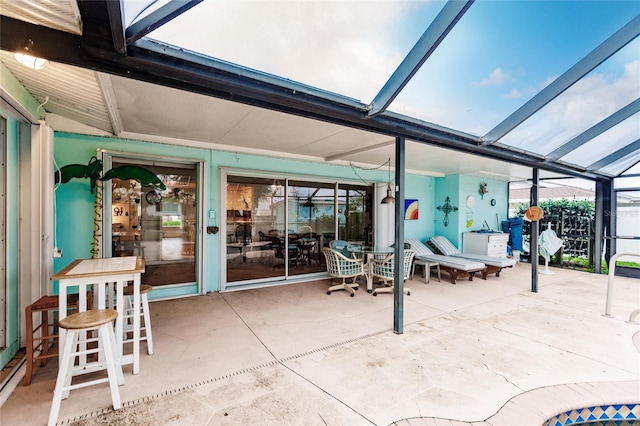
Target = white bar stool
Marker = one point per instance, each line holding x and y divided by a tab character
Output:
144	313
76	326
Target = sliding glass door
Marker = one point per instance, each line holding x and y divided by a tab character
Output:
311	219
253	212
355	213
276	227
160	225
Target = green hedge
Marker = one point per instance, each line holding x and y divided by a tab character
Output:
172	223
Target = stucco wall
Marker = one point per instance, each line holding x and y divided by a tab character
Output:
458	188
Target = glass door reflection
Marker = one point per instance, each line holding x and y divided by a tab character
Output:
159	225
355	214
311	225
254	223
276	228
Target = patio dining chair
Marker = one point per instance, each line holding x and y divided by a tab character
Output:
383	269
340	245
340	266
294	252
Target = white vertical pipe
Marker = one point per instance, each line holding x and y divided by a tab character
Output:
385	218
612	272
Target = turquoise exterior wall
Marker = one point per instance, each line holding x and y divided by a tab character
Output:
75	203
423	189
447	187
483	210
458	188
12	254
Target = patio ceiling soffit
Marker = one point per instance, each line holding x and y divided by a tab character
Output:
359	150
597	56
111	104
436	32
170	66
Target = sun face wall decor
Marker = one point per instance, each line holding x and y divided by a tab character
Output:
410	209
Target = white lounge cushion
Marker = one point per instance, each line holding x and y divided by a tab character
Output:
445	246
420	248
500	262
423	252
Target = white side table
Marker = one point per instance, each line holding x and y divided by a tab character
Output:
426	269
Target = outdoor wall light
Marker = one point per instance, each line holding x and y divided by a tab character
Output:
31	61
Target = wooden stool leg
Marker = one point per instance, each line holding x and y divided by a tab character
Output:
44	330
147	323
29	327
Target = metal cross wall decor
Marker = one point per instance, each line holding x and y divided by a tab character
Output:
447	208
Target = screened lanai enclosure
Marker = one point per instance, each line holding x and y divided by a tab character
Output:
521	91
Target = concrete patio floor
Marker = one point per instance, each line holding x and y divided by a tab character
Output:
486	351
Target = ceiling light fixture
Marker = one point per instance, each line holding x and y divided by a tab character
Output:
31	61
389	199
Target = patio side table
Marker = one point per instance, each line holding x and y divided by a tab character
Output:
426	269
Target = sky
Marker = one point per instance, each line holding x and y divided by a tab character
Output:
499	55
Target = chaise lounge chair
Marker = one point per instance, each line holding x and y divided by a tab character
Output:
494	264
455	266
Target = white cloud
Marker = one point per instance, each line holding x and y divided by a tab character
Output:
344	47
496	78
513	94
583	105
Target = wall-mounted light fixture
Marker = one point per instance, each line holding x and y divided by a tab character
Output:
28	60
389	199
31	61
